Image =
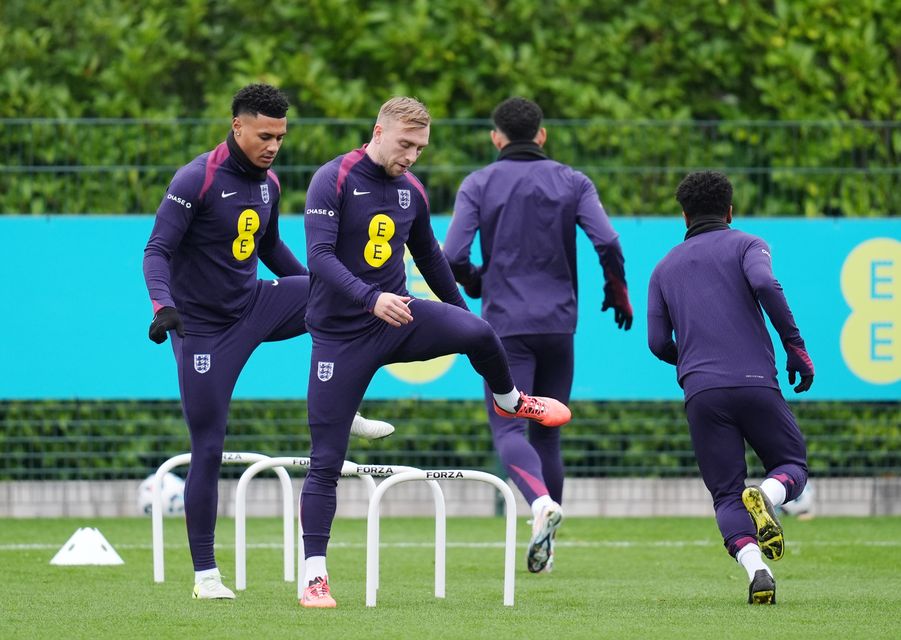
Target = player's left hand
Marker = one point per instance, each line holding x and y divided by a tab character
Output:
616	297
622	311
804	385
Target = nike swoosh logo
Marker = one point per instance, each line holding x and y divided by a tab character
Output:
226	195
360	193
275	283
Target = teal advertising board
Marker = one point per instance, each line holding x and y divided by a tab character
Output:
76	312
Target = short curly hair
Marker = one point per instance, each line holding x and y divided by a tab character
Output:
705	194
517	118
260	98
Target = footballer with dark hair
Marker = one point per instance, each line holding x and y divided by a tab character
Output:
526	208
218	218
712	292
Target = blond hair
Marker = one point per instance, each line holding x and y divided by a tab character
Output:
408	111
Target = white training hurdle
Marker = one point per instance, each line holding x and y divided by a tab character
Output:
349	469
372	525
393	474
383	470
228	457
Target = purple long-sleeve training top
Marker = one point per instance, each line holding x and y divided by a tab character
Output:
358	220
218	217
526	212
712	290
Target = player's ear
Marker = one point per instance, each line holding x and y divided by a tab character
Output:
685	217
499	139
377	133
236	125
541	137
729	215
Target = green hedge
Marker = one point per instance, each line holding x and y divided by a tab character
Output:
694	59
128	439
616	65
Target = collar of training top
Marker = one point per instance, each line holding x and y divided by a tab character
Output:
522	150
241	160
704	225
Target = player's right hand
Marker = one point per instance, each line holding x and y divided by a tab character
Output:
393	309
165	320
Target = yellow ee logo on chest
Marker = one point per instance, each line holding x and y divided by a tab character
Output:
248	224
378	250
871	285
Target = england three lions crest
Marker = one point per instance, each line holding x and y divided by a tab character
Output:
264	191
403	197
202	362
325	370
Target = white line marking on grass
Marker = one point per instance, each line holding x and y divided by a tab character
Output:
585	544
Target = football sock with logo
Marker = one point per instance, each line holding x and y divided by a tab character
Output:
774	490
508	401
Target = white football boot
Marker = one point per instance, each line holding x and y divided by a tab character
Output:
370	429
541	546
211	588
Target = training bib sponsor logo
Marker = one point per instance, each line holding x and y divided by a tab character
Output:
325	370
264	191
202	362
403	197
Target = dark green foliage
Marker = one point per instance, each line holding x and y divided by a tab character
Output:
715	72
779	60
129	439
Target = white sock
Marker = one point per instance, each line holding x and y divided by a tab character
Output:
314	568
200	575
774	490
540	503
507	401
751	559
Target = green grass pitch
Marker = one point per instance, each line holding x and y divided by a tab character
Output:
614	578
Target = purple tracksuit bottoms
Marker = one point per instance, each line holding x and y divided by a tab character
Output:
542	365
208	368
341	369
720	421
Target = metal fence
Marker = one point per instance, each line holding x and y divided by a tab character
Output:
83	166
111	440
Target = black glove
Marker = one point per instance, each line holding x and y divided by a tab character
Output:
164	321
798	363
617	298
804	385
473	288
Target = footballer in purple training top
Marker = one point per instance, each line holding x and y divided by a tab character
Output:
363	208
526	209
711	292
218	218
